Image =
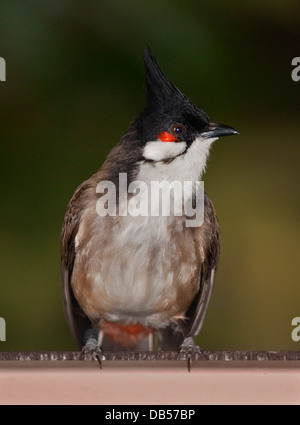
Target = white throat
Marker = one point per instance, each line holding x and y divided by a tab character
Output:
188	166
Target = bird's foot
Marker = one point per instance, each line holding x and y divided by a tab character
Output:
189	348
92	347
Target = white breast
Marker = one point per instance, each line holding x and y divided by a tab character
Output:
133	265
134	280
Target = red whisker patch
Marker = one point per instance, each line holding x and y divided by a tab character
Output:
165	136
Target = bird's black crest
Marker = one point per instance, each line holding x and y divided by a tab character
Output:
162	95
159	89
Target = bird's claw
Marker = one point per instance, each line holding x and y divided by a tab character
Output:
93	348
189	348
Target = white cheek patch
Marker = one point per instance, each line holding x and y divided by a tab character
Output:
160	151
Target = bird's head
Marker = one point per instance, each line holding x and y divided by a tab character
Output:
170	126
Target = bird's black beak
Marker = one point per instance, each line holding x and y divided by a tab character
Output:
218	130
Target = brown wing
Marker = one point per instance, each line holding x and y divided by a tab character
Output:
208	236
77	320
207	240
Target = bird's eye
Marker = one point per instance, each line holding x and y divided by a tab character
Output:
178	130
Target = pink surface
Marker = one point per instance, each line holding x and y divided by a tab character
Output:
85	383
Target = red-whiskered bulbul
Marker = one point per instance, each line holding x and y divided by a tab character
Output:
132	282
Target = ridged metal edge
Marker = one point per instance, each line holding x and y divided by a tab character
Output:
60	356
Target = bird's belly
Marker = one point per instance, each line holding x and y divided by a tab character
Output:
145	272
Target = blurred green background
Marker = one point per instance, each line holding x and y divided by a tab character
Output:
74	82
